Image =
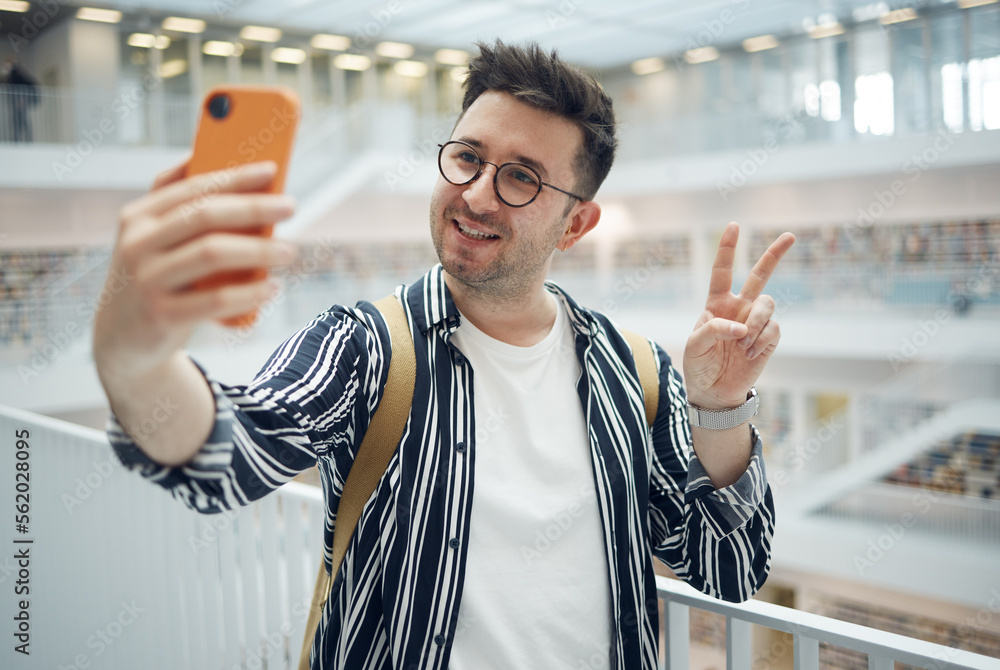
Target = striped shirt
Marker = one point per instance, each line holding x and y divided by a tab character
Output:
395	600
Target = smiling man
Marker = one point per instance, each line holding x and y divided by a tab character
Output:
517	524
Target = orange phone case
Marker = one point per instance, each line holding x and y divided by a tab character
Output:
259	124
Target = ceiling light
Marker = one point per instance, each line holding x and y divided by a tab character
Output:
459	74
352	62
147	41
330	42
648	65
220	48
762	43
966	4
826	30
393	49
260	34
451	56
102	15
701	55
410	68
289	55
14	6
141	40
182	25
898	16
172	68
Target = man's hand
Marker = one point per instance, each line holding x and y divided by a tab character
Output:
735	335
183	230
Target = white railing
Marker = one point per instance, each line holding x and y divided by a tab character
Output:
969	517
808	630
123	576
111	117
132	116
645	135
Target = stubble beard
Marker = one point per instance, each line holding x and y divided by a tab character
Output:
510	275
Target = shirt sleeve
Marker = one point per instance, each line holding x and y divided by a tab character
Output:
718	540
311	401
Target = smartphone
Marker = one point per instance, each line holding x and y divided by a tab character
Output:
239	125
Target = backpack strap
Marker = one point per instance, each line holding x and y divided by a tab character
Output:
376	450
645	363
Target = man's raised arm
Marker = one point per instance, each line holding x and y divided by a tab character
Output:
732	342
184	229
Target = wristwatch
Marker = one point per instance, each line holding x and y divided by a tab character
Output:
721	419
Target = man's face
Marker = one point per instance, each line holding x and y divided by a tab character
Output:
514	257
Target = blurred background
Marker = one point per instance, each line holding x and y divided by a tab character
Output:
869	129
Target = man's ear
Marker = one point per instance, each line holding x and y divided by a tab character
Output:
580	221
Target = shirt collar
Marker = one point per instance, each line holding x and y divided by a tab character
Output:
582	319
431	304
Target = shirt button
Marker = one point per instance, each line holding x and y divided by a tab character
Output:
439	640
459	359
454	543
460	447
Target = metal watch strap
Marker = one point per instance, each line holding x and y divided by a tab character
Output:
721	419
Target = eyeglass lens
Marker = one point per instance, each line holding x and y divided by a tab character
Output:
516	184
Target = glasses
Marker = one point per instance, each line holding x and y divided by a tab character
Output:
516	184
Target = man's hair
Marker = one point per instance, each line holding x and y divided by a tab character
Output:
546	82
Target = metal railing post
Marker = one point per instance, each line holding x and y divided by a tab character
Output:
677	636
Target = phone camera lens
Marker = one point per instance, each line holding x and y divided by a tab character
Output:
218	106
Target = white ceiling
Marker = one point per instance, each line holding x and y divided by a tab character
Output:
593	33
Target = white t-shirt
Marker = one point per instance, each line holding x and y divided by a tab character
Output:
536	591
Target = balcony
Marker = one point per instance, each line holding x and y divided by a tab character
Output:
123	576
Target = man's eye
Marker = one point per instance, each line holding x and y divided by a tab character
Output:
468	157
524	177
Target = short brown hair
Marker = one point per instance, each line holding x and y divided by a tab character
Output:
546	82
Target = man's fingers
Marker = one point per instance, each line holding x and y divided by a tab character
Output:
766	342
170	175
765	266
225	211
722	270
219	303
251	177
760	313
209	254
714	330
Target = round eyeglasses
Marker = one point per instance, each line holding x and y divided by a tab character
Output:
516	184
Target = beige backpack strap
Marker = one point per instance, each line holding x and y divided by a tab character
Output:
376	450
645	363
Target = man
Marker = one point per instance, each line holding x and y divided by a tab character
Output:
446	568
22	91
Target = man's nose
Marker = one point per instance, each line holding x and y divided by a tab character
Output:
480	194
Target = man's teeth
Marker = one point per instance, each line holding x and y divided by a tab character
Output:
475	233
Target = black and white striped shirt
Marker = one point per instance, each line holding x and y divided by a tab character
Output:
395	601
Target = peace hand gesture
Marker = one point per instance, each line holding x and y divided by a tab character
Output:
735	336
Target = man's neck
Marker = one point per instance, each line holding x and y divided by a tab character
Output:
522	320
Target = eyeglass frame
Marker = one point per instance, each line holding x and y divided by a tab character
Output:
496	187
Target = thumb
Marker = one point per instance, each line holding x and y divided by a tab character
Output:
714	330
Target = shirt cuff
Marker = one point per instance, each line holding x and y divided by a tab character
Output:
215	454
733	506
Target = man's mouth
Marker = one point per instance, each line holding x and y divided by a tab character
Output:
475	234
